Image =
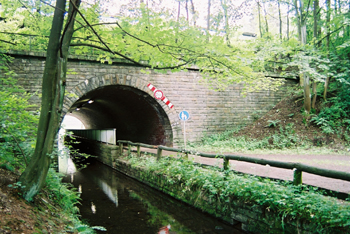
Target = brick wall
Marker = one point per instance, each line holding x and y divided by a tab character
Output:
211	111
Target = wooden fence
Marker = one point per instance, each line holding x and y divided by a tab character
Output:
298	168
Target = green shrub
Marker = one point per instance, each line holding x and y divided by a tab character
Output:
17	124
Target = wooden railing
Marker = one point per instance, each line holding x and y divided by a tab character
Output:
298	168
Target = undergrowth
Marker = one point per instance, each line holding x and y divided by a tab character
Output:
284	141
17	140
294	202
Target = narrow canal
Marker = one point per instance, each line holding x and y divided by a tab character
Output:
123	205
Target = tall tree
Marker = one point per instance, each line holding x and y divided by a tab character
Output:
208	17
224	6
316	34
194	16
33	178
280	18
259	16
328	21
304	76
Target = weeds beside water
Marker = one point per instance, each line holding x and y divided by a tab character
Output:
296	202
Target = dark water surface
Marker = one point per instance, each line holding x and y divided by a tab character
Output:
125	206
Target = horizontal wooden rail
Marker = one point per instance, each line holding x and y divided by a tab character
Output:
297	167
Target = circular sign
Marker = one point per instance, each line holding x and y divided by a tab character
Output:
184	115
158	94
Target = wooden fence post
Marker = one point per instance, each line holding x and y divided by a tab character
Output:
297	177
129	149
226	163
159	153
121	148
139	151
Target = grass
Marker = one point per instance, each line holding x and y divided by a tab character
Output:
227	148
286	141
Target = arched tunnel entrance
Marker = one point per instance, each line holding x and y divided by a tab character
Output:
136	115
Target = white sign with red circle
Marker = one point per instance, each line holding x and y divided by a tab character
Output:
158	94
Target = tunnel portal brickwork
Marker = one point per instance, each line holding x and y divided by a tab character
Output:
211	111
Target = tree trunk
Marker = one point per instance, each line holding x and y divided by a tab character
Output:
266	23
288	23
66	39
314	91
280	18
305	78
33	178
208	20
328	19
186	7
178	12
307	93
298	16
227	29
316	35
193	13
317	18
259	14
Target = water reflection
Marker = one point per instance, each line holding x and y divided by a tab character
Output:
123	205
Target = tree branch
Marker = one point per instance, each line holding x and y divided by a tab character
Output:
84	26
131	60
8	42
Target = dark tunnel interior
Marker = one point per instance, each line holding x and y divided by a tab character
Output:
136	115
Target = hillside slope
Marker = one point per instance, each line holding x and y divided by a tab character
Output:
288	117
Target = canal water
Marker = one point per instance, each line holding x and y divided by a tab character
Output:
125	206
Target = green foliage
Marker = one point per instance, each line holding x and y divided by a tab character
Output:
17	125
294	202
286	137
273	123
226	135
335	115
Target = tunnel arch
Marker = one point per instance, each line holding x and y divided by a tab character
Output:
124	103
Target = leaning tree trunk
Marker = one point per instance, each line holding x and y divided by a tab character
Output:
33	178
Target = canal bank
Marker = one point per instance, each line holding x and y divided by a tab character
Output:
123	205
270	213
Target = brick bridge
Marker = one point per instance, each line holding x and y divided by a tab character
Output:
121	99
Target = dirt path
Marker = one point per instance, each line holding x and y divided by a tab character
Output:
333	162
